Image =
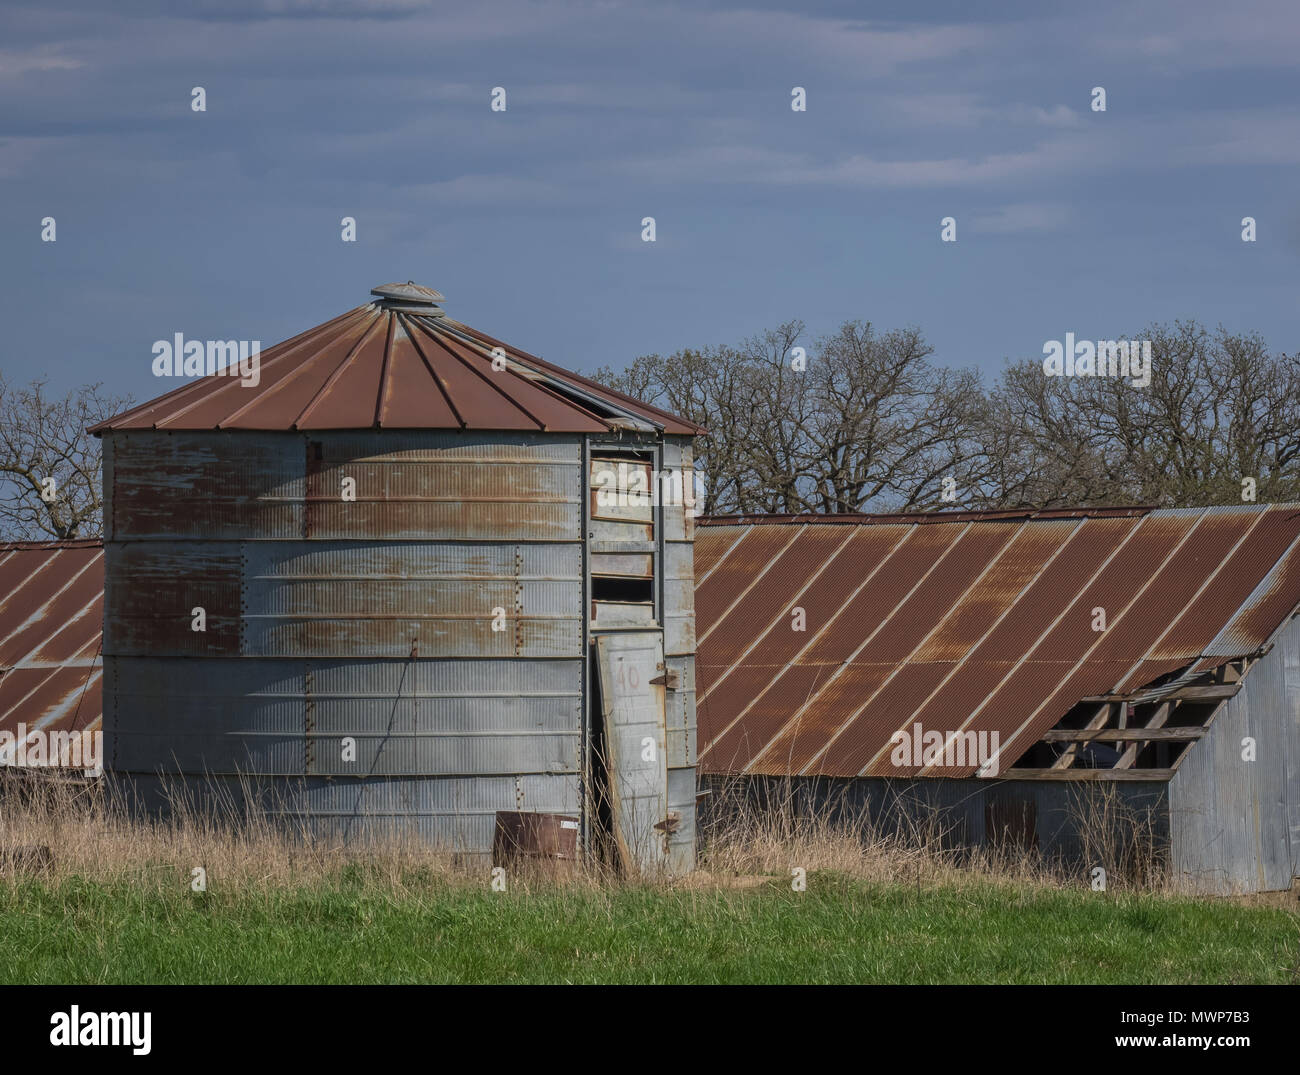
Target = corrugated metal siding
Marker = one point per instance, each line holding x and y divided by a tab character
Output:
356	628
282	486
280	717
974	622
955	811
152	588
439	486
216	487
339	618
1235	823
452	814
288	599
439	600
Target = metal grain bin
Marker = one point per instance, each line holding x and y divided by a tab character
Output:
367	589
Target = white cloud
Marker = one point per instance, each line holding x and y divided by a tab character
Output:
969	110
1021	218
756	164
874	47
14	63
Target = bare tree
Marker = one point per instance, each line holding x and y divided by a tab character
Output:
1219	409
891	431
713	387
50	485
864	422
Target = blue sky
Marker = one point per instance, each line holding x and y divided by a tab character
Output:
225	224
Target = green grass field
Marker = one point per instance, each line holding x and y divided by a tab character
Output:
839	930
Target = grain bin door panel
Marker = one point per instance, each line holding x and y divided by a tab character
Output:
635	737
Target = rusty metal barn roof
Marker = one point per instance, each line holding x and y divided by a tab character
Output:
399	363
51	619
969	621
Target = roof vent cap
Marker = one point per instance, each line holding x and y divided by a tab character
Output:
411	297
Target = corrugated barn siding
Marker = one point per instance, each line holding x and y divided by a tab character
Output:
958	813
370	618
1235	823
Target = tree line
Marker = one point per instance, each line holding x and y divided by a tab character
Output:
866	420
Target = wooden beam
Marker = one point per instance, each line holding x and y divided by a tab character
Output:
1099	776
1209	692
1098	720
1155	723
1214	693
1126	735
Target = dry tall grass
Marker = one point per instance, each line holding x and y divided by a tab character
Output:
98	836
785	831
1123	838
921	843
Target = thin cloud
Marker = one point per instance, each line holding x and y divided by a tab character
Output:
1019	219
16	63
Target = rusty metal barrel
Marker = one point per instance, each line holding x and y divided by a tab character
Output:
536	839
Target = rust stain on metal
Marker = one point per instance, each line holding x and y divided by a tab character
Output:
1014	569
1229	590
977	622
1269	604
309	721
769	599
535	838
51	612
733	576
149	604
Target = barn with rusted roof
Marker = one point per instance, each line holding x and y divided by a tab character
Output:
1001	668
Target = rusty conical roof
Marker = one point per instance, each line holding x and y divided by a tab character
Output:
399	363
